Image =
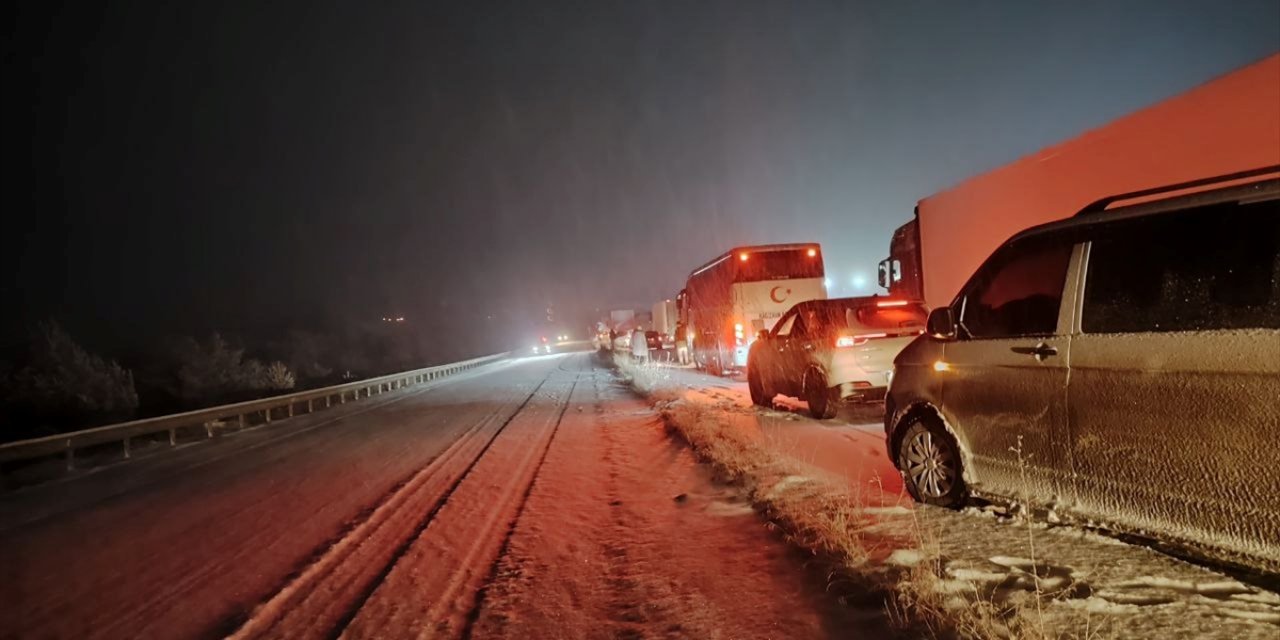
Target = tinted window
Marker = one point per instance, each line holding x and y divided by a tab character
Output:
1018	291
834	315
1207	268
894	317
801	326
784	325
779	265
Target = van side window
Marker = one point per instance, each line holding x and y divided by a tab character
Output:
1019	290
1214	267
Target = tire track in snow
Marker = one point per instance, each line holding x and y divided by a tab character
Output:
434	590
474	614
228	557
329	592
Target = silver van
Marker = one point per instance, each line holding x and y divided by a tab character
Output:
1121	366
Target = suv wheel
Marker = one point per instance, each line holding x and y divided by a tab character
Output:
823	400
760	395
930	464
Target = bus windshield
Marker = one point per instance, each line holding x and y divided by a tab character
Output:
781	264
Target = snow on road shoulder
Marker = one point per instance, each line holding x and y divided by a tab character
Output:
971	573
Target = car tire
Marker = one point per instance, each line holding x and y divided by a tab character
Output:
930	463
713	365
823	400
760	395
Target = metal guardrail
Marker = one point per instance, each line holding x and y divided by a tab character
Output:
259	411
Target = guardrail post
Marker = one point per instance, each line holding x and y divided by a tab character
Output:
126	448
173	437
266	415
342	397
289	413
70	455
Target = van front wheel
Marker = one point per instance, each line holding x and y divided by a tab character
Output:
929	460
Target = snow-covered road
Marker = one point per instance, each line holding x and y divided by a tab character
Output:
529	499
1118	589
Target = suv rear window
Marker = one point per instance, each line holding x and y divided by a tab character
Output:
895	317
1215	267
831	316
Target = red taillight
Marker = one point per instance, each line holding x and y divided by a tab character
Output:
813	253
742	256
892	303
857	341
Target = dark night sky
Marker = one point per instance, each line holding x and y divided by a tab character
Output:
176	169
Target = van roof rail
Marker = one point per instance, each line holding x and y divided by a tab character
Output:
1102	204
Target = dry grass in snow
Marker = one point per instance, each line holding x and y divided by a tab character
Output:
903	566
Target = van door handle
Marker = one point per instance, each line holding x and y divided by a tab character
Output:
1040	351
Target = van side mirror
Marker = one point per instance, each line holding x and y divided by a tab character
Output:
762	334
942	324
882	276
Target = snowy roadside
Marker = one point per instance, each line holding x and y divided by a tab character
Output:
971	573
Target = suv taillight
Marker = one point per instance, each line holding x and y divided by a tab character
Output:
858	340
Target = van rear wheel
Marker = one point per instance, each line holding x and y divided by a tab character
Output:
929	460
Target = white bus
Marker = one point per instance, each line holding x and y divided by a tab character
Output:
729	300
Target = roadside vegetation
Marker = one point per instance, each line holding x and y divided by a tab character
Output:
904	567
63	384
55	383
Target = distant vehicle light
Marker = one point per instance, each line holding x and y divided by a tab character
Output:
941	366
742	256
813	253
892	303
844	341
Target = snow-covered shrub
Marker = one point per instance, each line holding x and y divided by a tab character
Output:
277	376
63	383
216	369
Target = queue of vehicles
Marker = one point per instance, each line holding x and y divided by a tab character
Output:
1094	329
